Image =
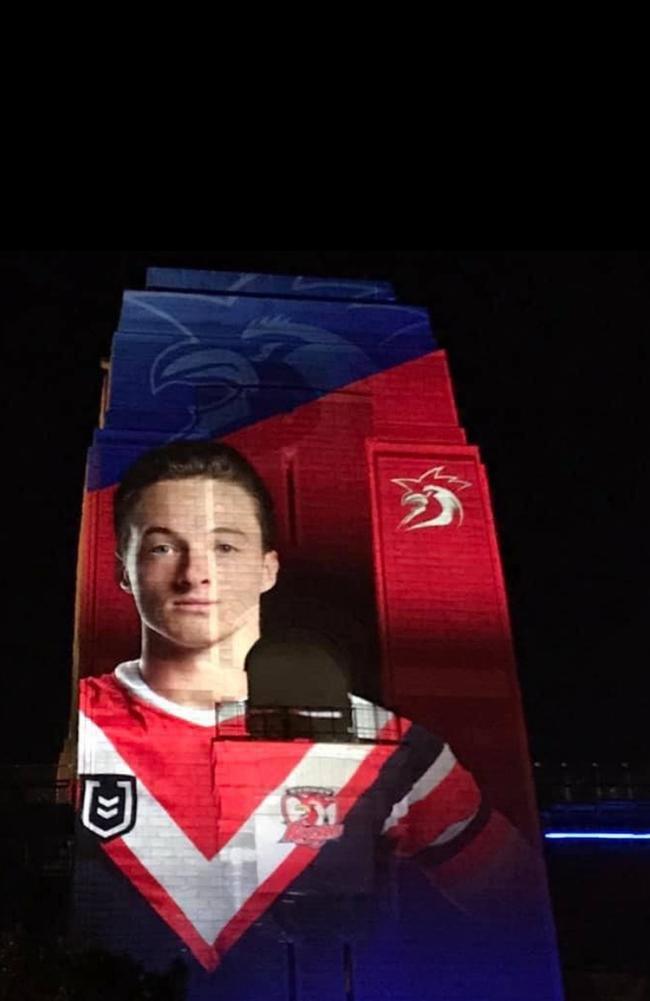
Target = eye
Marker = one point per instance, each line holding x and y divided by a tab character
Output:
162	549
225	547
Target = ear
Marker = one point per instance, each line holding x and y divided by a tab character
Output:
121	575
270	567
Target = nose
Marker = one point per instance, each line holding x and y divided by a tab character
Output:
196	568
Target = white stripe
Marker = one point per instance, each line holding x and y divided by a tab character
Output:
434	775
211	891
450	832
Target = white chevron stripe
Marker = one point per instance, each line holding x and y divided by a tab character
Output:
107	814
211	891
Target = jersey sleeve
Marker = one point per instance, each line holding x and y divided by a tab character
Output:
443	802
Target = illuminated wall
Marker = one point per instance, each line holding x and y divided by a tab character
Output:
404	861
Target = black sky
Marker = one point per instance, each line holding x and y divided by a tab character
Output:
549	359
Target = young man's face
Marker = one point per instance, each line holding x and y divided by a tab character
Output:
194	561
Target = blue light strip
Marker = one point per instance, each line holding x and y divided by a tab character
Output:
597	835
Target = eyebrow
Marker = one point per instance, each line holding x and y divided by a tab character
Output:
157	530
222	529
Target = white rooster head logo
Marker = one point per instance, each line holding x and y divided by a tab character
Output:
428	498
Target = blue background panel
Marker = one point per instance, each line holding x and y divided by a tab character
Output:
246	283
188	366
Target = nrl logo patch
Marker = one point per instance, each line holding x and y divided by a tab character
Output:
311	816
108	804
432	504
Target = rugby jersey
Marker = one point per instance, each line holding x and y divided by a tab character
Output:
211	831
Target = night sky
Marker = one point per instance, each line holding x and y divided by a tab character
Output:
549	360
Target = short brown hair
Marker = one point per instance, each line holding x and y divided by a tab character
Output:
182	460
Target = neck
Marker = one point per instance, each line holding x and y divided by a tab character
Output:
198	678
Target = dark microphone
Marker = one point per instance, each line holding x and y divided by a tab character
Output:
297	689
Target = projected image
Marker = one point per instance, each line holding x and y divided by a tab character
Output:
212	832
301	759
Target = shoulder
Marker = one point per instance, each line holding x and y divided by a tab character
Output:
370	721
101	686
102	691
376	722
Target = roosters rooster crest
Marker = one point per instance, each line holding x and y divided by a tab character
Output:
431	503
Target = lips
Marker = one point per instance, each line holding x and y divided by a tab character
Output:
195	603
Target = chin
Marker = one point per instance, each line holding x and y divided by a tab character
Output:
197	642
